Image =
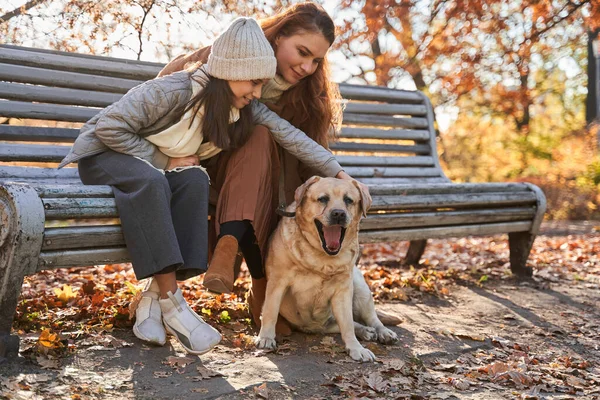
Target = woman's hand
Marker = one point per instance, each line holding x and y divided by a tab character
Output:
187	161
343	175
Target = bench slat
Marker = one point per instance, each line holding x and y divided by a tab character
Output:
82	237
48	112
122	68
65	79
30	173
375	93
379	120
32	152
437	218
74	191
416	189
44	94
94	57
405	180
386	109
37	134
77	208
396	235
74	208
374	147
383	134
367	172
81	258
457	200
376	161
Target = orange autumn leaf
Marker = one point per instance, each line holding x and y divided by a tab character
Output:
49	340
97	299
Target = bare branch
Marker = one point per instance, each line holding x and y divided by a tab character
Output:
20	10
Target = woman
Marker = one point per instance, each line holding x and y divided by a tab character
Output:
260	175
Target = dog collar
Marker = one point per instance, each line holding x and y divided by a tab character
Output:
282	212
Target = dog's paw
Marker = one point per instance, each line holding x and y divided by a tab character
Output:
265	343
386	336
361	354
366	333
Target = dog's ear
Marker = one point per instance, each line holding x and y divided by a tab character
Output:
365	197
299	193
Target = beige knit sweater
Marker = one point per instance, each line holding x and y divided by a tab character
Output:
183	139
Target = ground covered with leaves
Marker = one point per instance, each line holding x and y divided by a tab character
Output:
470	331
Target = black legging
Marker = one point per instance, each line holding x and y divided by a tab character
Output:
244	234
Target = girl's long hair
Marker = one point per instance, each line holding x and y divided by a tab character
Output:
313	104
217	99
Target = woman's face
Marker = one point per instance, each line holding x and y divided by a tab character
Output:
299	55
245	91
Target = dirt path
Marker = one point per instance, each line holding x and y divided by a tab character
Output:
499	339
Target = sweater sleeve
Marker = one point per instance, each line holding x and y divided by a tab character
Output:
120	124
295	141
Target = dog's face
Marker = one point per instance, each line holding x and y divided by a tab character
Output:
329	210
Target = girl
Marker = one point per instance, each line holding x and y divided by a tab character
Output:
301	93
148	146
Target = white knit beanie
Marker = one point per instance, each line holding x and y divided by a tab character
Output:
242	53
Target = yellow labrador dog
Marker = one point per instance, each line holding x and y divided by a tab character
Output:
311	269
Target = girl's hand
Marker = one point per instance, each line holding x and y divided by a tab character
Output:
187	161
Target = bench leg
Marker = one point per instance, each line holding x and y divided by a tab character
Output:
21	234
520	244
416	248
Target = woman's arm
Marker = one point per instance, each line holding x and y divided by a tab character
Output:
296	142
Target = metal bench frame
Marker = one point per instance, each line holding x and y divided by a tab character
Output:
388	142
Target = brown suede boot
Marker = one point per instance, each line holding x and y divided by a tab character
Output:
256	299
220	275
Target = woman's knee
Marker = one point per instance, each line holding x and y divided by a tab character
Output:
261	138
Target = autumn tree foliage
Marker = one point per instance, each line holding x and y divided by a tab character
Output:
149	29
512	74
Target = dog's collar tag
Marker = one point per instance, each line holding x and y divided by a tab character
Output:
281	211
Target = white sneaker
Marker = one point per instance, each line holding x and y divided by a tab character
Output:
195	335
148	316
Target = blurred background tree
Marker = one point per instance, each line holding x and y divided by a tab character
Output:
507	78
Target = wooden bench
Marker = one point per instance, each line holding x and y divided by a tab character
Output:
50	220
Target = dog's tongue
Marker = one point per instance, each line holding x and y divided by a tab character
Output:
332	235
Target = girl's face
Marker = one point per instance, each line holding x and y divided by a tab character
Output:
299	55
245	91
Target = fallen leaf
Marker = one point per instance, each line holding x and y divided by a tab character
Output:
97	299
376	382
134	304
89	287
328	341
46	363
460	384
178	362
65	294
49	340
205	373
262	391
162	374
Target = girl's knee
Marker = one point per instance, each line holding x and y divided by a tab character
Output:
193	181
